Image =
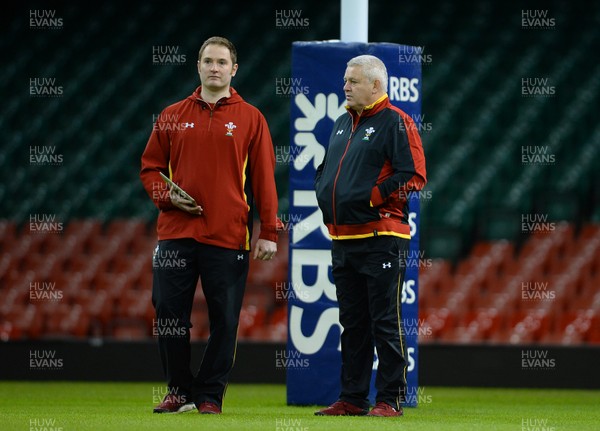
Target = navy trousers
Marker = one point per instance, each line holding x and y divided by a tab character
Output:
368	274
177	265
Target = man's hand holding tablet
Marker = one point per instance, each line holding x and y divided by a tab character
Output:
180	198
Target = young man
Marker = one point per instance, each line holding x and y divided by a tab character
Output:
218	149
374	158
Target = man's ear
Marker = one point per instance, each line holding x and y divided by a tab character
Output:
376	86
234	69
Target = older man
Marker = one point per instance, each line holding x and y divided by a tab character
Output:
374	159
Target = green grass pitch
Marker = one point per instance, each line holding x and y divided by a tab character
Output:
68	406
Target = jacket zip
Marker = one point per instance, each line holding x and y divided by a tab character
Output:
338	174
211	109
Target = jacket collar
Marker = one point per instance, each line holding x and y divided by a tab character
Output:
371	109
234	98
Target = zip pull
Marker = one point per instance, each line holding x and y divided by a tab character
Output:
210	115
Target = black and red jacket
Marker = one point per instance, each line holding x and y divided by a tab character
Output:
373	161
222	155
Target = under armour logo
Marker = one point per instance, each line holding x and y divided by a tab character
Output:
339	132
387	265
190	125
240	257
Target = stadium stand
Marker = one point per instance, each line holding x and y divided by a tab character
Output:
486	279
95	280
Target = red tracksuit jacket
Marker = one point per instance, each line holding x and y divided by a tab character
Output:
222	156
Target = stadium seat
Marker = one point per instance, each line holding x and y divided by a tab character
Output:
100	306
130	329
28	320
251	316
8	233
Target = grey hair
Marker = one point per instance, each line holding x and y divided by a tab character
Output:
373	68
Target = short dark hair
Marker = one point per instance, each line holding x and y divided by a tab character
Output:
217	40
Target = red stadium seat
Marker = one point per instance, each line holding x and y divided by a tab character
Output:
439	320
28	320
83	231
251	317
130	329
100	308
54	314
8	234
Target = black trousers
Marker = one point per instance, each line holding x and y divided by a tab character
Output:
368	274
177	264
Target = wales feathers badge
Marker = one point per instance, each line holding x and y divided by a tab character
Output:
230	126
368	133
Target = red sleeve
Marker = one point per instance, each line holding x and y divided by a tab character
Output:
405	159
262	170
155	159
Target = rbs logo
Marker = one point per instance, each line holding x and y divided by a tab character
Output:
403	89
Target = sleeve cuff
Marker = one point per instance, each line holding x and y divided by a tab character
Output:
268	232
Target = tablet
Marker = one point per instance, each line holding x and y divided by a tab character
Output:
177	188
